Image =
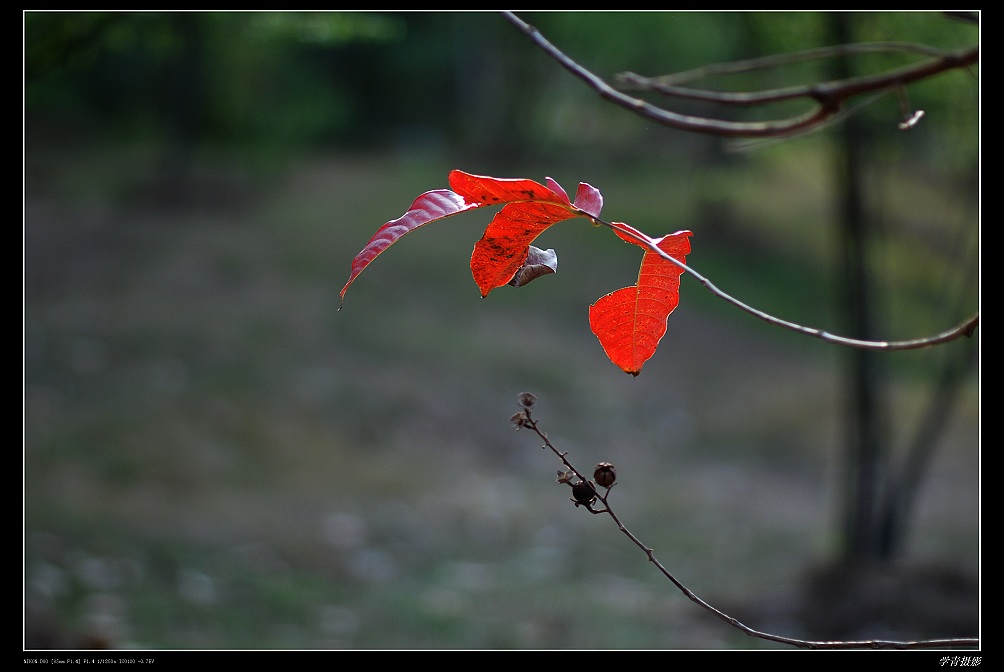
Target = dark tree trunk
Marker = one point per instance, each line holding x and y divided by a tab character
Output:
866	438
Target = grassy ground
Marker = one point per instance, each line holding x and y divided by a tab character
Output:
216	457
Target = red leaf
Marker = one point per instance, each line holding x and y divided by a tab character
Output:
530	208
503	248
631	321
558	190
497	190
428	207
589	199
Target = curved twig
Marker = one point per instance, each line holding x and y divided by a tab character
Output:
966	328
525	419
829	97
669	85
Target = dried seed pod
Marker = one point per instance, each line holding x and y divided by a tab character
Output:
584	493
605	474
526	399
519	420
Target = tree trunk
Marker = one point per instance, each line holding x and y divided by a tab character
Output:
866	440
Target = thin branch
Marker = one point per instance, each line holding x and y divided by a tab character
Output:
816	53
669	85
829	97
966	328
524	419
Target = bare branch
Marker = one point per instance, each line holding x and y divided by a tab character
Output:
669	85
828	97
525	420
817	53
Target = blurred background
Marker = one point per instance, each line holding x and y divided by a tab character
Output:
217	457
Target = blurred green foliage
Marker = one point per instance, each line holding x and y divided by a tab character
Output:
362	79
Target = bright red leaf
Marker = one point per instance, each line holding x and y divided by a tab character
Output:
631	321
428	207
503	248
530	209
